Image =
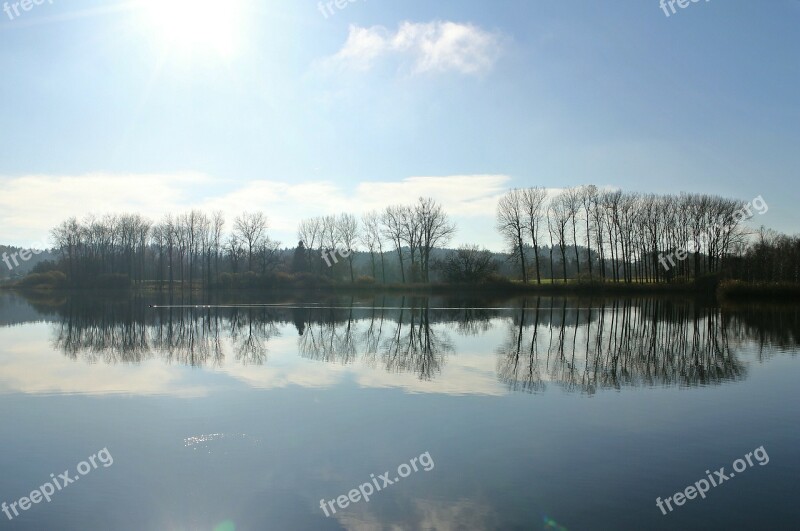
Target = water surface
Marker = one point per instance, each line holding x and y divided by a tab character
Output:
538	413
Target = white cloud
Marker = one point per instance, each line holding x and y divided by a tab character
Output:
469	373
363	46
31	365
32	205
427	47
460	195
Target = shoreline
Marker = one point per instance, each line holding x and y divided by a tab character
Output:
726	291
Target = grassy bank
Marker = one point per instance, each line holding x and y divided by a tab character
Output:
288	284
495	287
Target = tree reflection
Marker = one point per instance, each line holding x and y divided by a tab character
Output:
408	344
114	332
415	347
579	345
651	342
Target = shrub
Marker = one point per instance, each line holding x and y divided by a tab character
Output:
284	279
45	267
494	278
49	280
310	280
227	280
467	264
249	280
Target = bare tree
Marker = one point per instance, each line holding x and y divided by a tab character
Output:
158	238
217	226
598	220
142	229
572	203
435	229
610	208
236	251
66	237
533	201
310	232
560	214
551	232
372	238
250	229
392	228
268	255
588	198
197	227
347	229
182	242
410	233
511	225
329	235
170	239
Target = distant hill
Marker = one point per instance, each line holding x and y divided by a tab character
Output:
24	267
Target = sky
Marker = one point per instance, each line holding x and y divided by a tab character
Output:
300	110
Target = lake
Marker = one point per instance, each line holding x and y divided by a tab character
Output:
456	413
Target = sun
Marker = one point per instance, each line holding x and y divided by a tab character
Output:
195	26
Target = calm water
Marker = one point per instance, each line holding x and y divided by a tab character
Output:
529	414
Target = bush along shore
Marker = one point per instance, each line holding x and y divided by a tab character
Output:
730	290
738	291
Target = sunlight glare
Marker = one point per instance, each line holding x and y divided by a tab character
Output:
196	26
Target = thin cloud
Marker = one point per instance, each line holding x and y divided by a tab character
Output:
460	195
40	202
439	46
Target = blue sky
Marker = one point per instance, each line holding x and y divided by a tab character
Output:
162	105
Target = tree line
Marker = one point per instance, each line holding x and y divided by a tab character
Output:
185	248
627	237
195	247
410	231
580	233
